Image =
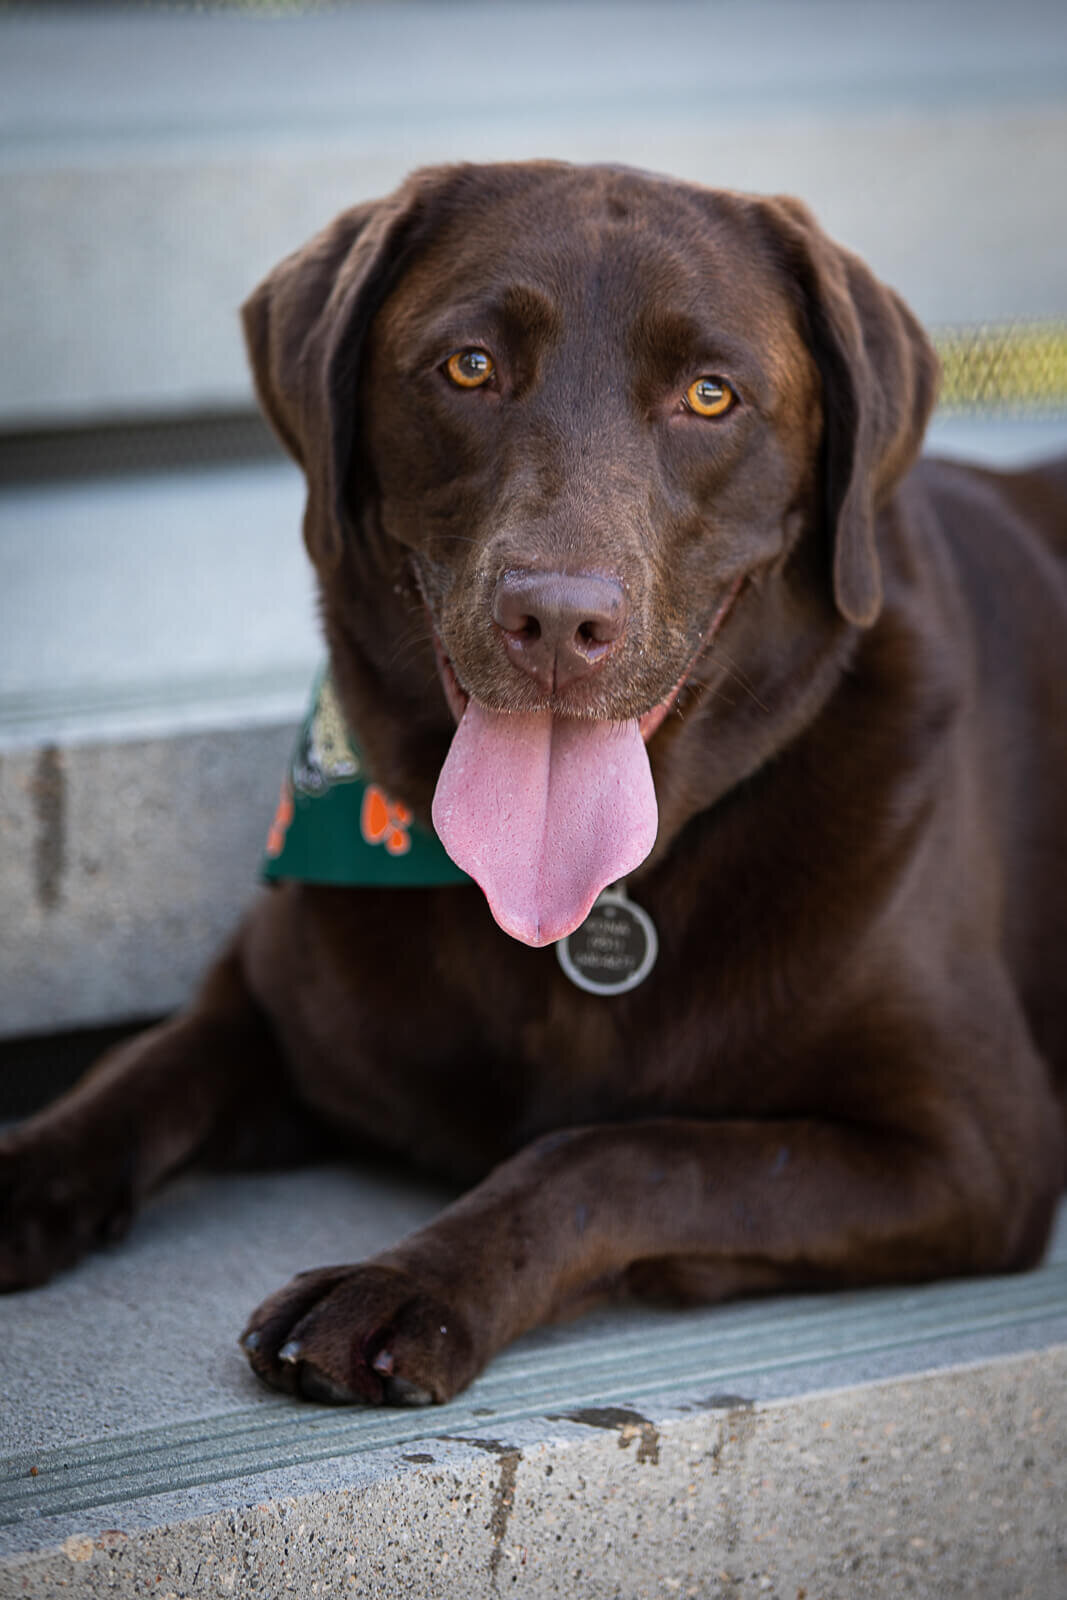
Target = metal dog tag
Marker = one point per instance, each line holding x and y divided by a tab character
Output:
615	948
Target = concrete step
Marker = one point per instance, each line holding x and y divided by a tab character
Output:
854	1445
142	605
157	641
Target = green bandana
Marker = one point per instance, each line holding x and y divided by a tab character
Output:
334	826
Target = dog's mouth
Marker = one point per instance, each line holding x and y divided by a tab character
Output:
545	811
458	699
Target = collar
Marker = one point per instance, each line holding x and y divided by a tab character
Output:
334	826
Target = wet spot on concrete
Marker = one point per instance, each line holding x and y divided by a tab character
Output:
726	1402
629	1425
493	1446
503	1495
420	1459
503	1500
49	798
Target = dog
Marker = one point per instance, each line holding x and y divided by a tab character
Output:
745	739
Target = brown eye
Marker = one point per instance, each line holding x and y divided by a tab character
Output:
470	368
710	397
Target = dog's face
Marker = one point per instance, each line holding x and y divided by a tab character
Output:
599	379
574	420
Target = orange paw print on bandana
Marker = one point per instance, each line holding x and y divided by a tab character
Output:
385	821
280	826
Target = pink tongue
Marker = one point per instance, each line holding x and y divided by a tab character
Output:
543	813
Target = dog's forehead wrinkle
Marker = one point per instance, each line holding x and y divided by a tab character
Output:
512	314
575	253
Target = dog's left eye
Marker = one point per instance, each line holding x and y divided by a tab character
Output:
470	368
710	397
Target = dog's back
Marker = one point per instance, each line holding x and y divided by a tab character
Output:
1007	536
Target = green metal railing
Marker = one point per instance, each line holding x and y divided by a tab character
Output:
1005	368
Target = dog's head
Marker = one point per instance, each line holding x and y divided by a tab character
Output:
578	418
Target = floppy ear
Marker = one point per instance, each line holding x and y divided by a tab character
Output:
879	381
304	328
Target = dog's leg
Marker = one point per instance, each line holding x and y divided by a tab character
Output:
72	1176
673	1207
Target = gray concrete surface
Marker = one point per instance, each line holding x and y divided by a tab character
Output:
137	606
941	1488
901	1441
157	641
154	163
125	866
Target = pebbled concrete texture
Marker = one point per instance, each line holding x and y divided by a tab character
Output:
948	1485
866	1444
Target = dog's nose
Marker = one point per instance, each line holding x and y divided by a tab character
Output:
559	626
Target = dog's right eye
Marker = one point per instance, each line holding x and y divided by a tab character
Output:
470	368
710	397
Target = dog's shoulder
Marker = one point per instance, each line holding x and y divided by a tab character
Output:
1033	497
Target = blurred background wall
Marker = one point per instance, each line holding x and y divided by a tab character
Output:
156	161
157	627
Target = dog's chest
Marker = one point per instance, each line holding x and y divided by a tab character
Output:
410	1019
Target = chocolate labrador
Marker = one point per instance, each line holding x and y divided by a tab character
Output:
751	734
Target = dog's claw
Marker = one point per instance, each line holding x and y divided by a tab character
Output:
249	1342
365	1334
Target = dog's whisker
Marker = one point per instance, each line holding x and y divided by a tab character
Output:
714	691
404	652
738	676
429	682
405	648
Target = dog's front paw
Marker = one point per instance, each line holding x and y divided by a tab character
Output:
57	1203
367	1334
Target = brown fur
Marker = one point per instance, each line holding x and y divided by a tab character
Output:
848	1065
